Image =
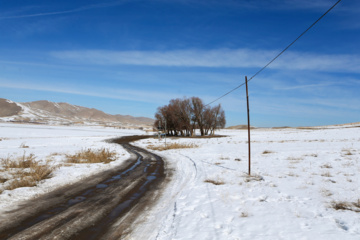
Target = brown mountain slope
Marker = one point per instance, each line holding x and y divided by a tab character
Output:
44	110
8	108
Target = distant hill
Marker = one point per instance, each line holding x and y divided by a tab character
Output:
64	113
240	127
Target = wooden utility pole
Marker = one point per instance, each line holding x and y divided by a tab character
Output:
248	118
165	133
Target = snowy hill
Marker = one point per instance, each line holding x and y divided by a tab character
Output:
63	113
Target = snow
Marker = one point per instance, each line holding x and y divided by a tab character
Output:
50	144
296	175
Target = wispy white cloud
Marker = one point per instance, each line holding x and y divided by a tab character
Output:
296	87
179	58
74	10
147	96
230	58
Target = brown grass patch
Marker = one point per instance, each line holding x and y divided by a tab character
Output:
267	152
326	174
215	182
2	180
291	174
20	162
22	182
254	177
244	214
350	206
25	171
172	146
347	152
23	145
92	156
327	165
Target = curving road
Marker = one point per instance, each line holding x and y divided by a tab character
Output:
101	207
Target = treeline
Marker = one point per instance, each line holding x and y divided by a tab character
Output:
184	116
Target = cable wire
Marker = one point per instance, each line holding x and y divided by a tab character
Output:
232	90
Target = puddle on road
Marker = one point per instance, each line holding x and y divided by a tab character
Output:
102	186
76	200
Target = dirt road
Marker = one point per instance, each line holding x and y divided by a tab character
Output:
101	207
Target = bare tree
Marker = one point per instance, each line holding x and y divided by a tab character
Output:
197	107
183	116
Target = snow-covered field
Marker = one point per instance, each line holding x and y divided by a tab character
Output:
297	174
50	144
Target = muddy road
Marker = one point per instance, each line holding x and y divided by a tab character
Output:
103	206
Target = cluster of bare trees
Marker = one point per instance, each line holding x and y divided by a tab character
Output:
184	116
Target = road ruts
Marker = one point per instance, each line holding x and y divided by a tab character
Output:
100	207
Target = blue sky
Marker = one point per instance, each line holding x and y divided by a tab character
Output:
130	56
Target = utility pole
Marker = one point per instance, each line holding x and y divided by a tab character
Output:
159	131
248	118
165	133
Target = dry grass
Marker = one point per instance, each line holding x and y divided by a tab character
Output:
350	206
244	214
327	165
92	156
20	162
267	152
215	182
291	174
347	152
172	146
23	145
311	155
326	174
254	177
326	192
295	158
2	180
25	171
40	172
21	182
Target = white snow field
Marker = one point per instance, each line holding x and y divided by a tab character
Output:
297	175
50	144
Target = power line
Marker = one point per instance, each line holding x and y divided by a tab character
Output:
232	90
